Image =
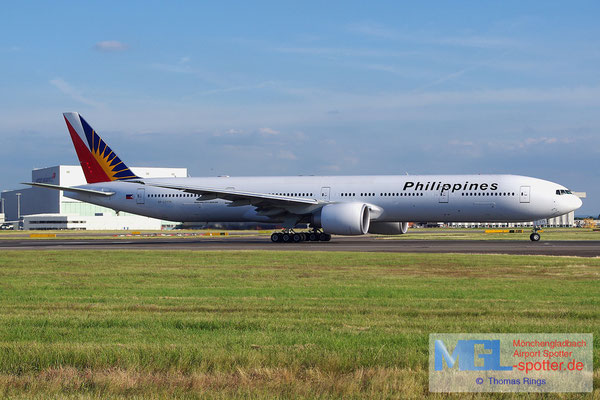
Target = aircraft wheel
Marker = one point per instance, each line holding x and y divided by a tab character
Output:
286	238
325	237
313	237
304	236
296	238
534	237
275	237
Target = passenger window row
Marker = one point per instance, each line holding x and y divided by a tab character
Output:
292	194
163	195
401	194
382	194
173	195
489	194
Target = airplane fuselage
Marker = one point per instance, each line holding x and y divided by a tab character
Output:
442	198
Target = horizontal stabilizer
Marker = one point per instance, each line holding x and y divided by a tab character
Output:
69	189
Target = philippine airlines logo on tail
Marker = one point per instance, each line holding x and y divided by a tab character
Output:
99	162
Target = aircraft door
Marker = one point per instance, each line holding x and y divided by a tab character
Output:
443	198
325	193
140	198
524	194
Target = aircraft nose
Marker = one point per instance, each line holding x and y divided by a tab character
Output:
572	203
568	203
578	202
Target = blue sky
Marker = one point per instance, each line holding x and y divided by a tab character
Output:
269	88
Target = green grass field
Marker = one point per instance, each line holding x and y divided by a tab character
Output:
188	324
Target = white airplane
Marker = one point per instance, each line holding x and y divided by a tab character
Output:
339	205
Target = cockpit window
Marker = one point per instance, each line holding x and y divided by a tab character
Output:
562	191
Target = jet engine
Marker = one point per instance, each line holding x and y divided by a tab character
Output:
344	219
388	228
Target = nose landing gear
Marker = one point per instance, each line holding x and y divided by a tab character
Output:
289	236
535	236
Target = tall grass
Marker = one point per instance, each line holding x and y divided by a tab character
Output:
190	324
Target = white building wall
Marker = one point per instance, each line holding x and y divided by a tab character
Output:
565	220
56	222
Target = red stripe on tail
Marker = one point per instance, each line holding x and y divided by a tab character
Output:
92	170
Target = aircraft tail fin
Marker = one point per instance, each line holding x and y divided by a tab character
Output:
99	162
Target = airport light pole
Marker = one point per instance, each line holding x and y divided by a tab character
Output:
19	210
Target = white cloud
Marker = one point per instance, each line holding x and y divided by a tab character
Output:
455	142
110	45
449	77
181	67
72	92
480	148
222	90
540	141
268	132
343	52
477	41
286	155
185	66
385	68
375	30
563	95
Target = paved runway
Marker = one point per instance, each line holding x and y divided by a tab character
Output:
590	248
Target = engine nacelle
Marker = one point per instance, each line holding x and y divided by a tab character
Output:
344	219
388	228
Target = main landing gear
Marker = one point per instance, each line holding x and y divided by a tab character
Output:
289	236
535	236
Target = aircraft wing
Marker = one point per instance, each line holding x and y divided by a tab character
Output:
69	189
266	204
